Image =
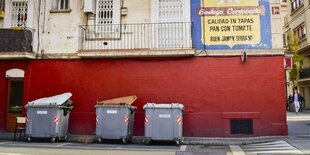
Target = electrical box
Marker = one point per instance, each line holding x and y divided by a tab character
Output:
90	6
124	11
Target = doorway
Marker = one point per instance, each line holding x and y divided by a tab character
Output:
15	92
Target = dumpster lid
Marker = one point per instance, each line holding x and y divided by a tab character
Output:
128	100
55	100
164	106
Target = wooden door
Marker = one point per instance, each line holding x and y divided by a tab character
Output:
15	100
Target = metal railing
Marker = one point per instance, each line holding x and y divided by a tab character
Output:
304	73
136	36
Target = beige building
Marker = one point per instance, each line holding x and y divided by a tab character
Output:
75	29
298	22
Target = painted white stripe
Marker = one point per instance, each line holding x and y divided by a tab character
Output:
271	147
5	143
281	142
277	152
11	154
63	144
236	150
85	147
183	148
267	149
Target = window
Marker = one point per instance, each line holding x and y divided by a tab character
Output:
300	31
295	4
170	11
61	4
107	15
16	96
174	12
284	40
284	2
241	126
2	2
19	15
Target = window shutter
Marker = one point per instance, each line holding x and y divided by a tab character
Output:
171	35
107	15
19	15
170	11
116	12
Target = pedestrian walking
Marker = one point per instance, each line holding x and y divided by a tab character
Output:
297	99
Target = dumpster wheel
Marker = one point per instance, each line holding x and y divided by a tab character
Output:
99	139
53	139
65	138
125	140
179	141
148	141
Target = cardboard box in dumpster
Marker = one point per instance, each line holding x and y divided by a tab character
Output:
128	100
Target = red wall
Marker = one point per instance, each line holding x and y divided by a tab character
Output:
213	89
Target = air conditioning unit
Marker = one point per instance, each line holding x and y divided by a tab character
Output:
90	6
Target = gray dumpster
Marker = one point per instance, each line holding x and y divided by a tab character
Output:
115	119
163	122
49	117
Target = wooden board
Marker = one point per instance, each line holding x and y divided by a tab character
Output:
128	100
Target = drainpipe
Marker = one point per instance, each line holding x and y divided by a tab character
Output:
38	33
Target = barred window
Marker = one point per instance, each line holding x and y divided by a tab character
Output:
107	15
171	10
300	31
61	4
295	4
19	15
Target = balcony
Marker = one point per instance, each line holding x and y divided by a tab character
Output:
136	40
16	44
304	73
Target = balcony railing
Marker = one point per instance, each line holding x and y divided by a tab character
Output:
136	36
15	40
304	73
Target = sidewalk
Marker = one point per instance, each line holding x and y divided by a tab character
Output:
187	140
299	130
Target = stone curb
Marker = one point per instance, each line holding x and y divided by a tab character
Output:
187	140
229	141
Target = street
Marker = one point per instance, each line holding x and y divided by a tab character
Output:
22	148
40	151
297	142
35	148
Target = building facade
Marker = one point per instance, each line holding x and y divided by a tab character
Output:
222	59
297	22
